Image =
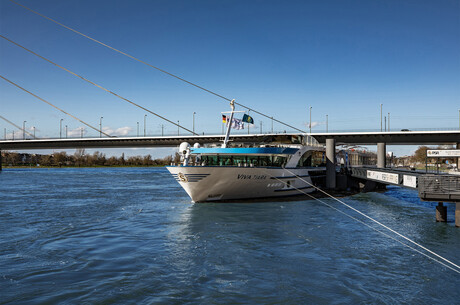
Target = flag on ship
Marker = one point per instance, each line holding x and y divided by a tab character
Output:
224	119
237	124
248	119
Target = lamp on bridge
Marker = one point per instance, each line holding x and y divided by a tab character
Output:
24	130
193	129
100	127
60	128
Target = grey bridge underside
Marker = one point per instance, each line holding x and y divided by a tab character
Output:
392	138
357	138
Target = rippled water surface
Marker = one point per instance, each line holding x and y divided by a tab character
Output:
131	236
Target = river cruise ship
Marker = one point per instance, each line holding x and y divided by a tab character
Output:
215	173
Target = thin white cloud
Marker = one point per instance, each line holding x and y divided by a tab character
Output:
313	124
122	131
77	132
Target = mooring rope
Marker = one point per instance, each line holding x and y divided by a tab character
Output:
99	86
152	66
456	269
43	100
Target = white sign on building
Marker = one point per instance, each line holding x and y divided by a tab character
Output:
383	176
410	181
443	153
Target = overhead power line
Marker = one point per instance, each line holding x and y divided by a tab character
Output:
99	86
17	127
154	67
43	100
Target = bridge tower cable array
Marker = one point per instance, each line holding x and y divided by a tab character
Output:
43	100
99	86
157	68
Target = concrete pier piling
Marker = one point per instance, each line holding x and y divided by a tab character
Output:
457	214
381	155
441	213
330	164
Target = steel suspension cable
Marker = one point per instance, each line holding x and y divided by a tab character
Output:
17	127
457	267
99	86
154	67
43	100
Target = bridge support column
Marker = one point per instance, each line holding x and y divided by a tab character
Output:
330	164
457	214
441	213
381	155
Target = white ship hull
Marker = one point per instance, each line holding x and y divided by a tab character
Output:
213	183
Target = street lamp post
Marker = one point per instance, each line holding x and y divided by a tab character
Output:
24	130
327	123
381	118
137	129
194	122
100	127
178	127
310	118
4	133
145	123
388	121
66	131
272	124
34	131
60	128
81	132
162	128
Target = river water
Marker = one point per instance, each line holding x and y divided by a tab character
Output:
131	236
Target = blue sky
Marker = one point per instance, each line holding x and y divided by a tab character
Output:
343	58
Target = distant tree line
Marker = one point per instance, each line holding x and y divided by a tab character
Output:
81	159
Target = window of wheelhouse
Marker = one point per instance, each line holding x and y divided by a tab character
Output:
312	159
243	160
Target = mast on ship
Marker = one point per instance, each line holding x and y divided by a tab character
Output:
229	124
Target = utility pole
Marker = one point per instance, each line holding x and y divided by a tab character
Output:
193	129
100	127
145	121
60	128
310	118
24	130
381	118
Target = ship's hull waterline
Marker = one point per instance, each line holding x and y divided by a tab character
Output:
214	183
